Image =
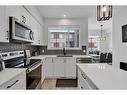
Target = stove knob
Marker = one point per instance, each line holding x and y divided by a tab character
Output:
27	71
21	53
4	55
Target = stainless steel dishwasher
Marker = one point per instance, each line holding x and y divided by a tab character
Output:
83	60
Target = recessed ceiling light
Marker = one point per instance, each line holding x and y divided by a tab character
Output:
65	16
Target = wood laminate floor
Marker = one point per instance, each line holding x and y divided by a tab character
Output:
50	84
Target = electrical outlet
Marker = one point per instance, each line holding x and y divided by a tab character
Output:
84	51
43	50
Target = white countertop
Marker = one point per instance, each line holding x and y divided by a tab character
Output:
104	76
9	73
44	56
84	56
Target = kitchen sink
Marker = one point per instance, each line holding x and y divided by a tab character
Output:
64	55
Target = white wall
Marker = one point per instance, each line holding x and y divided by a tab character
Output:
119	48
83	23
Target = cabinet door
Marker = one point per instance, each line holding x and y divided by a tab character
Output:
59	67
70	68
36	28
82	82
18	12
3	25
18	82
35	31
40	34
49	68
27	16
14	11
43	72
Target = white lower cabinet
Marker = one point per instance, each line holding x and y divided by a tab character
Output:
18	82
60	67
49	68
84	82
42	70
70	68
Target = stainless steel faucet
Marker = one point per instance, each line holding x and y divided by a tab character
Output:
64	51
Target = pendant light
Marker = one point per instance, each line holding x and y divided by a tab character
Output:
104	12
102	38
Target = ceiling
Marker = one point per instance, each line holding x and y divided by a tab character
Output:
74	12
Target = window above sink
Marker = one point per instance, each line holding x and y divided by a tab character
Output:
60	37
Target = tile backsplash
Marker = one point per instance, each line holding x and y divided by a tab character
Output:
7	47
52	52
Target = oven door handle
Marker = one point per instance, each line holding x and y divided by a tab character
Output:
32	68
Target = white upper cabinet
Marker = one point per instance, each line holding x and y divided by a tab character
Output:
18	12
4	35
34	29
37	29
40	34
14	11
26	15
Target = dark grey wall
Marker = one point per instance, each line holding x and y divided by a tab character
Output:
52	52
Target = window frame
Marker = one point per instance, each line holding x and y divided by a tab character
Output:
65	26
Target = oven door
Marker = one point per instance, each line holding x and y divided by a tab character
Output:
34	77
20	31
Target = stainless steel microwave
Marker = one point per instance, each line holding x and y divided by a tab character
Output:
19	32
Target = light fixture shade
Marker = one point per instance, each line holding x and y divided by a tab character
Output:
104	12
102	38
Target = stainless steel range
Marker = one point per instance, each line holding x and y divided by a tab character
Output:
16	59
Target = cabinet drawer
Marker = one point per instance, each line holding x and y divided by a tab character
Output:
18	82
84	82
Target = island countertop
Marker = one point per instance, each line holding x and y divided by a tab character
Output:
105	76
9	73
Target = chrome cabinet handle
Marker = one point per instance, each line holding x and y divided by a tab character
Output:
83	76
12	84
81	87
23	19
38	41
7	35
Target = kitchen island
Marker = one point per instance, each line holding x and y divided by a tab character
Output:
101	76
